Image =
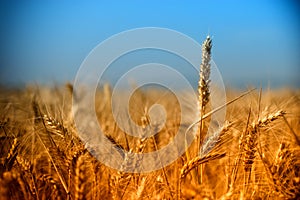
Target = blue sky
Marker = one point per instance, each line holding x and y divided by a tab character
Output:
254	42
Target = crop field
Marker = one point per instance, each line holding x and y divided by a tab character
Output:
256	155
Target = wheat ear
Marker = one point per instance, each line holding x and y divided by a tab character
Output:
285	172
79	177
203	85
249	140
198	161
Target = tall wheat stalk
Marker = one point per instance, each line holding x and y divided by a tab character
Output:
249	140
203	90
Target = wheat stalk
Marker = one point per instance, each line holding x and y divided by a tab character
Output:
203	90
249	140
285	172
79	179
54	126
203	85
52	183
216	138
198	161
116	145
38	121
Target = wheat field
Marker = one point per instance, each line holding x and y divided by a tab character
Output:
42	157
255	156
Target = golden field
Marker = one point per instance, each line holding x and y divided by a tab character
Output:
256	156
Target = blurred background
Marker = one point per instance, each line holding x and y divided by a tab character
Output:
255	42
